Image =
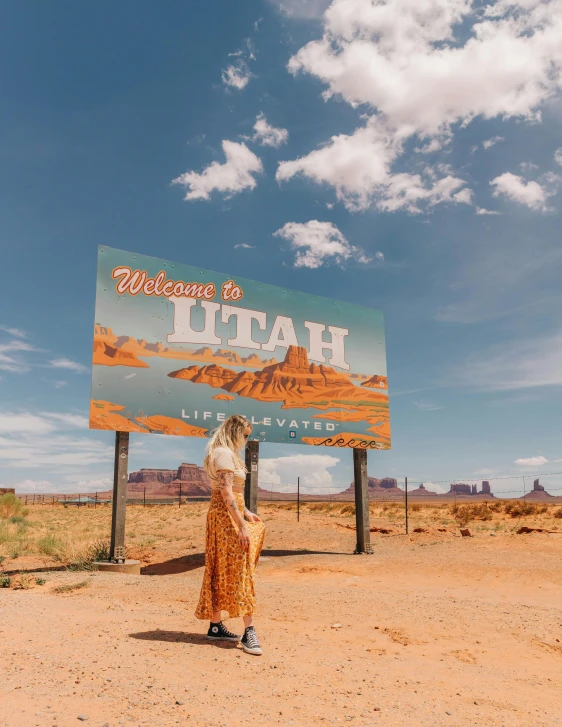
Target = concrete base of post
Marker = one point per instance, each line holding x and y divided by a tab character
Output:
129	566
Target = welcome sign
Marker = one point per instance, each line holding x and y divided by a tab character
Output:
178	349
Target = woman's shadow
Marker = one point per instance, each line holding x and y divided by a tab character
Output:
182	637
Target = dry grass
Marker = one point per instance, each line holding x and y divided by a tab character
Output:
74	538
69	587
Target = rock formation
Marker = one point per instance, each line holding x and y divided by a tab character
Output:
106	355
472	490
151	476
387	488
295	381
460	489
376	382
538	492
190	477
421	491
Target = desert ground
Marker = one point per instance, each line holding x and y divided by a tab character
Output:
431	629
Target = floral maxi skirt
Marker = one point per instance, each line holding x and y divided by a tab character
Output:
228	581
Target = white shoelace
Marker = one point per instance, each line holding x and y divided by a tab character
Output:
252	639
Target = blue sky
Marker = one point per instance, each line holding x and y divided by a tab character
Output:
406	157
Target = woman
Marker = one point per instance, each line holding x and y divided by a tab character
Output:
233	546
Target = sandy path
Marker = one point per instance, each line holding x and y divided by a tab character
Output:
435	630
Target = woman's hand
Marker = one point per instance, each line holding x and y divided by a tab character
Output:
244	538
251	516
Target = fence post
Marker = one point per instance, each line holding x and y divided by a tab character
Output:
251	486
119	504
144	497
179	503
361	501
406	497
298	499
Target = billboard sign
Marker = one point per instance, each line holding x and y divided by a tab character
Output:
178	349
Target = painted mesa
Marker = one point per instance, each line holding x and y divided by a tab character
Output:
177	350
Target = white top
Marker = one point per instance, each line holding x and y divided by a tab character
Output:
223	459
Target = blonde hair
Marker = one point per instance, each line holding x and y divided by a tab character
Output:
229	434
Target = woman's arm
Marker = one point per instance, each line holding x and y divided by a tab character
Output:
251	516
226	479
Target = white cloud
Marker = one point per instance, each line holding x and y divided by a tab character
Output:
46	441
403	58
30	487
16	332
268	135
358	166
483	211
423	68
531	461
513	187
379	256
244	246
24	423
427	405
302	9
318	243
52	451
280	474
102	483
236	75
235	175
10	360
488	143
66	363
60	384
558	156
71	421
521	364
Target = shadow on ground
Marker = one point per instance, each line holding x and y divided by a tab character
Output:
197	560
182	637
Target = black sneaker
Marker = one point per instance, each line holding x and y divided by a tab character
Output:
250	642
220	632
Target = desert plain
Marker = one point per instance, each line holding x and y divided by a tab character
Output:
431	629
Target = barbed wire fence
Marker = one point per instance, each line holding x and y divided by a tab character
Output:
308	493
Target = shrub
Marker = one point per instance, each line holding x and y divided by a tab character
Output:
516	508
40	581
85	559
23	582
68	587
557	513
5	581
49	545
415	508
18	520
465	513
11	505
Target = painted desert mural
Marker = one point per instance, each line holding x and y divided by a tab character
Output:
264	353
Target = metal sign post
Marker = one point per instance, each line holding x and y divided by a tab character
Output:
251	486
117	548
298	499
406	499
361	481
